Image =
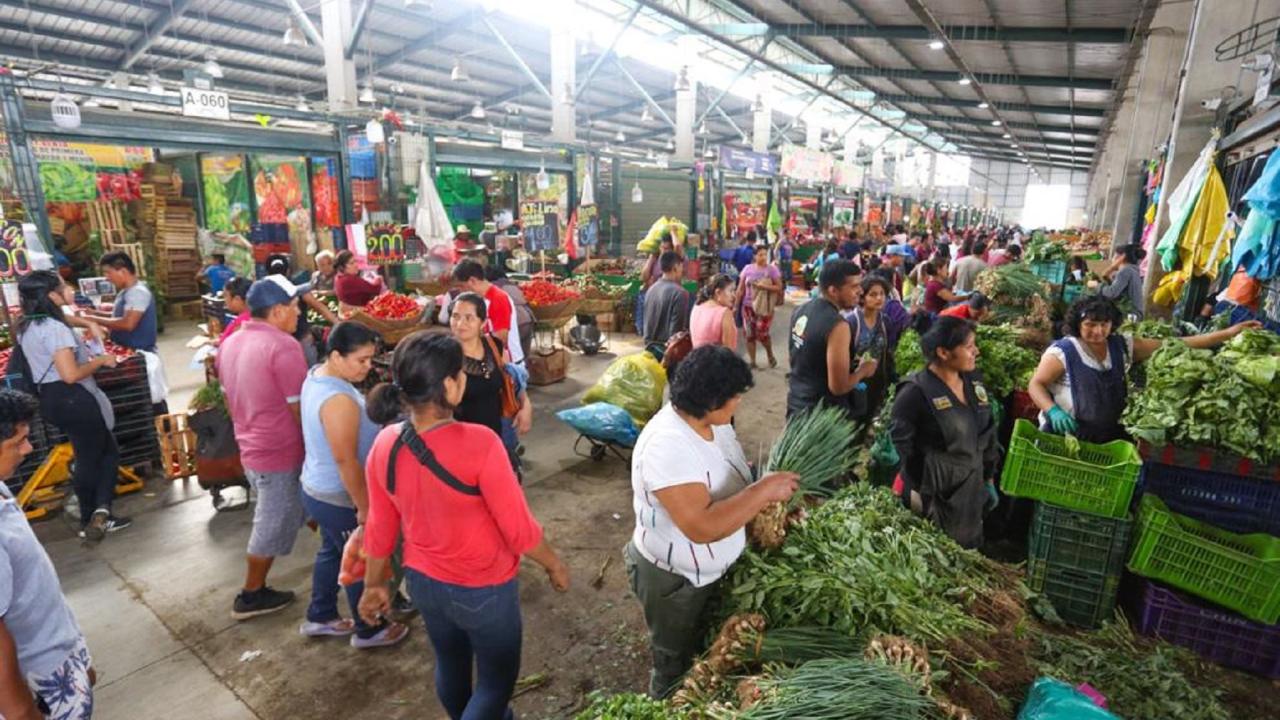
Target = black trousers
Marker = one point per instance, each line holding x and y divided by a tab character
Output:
74	411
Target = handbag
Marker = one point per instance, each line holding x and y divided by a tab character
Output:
678	346
510	402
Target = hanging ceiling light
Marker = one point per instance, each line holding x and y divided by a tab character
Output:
648	155
64	111
459	73
620	137
745	140
645	115
936	44
154	86
702	129
1006	136
964	80
757	105
293	35
303	105
671	144
477	111
211	67
637	193
397	88
983	106
707	152
542	179
995	122
682	79
567	97
366	94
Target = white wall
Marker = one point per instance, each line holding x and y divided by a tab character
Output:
1003	185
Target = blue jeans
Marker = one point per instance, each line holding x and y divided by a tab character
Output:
471	625
336	525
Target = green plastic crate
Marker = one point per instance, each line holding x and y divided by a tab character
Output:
1079	541
1099	480
1072	292
1053	272
1238	572
1083	599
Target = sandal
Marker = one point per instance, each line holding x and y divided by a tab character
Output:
390	634
338	627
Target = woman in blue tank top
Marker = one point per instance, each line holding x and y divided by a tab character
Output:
338	435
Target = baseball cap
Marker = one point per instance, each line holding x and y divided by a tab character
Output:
271	291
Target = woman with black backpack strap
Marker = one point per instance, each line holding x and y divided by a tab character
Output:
449	488
61	372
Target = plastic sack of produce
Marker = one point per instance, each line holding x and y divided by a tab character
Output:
602	421
1051	699
653	239
633	383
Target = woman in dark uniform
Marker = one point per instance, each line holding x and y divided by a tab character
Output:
944	432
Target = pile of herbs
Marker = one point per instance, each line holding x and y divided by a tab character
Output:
820	445
1018	295
862	564
1229	400
1003	361
627	706
1040	249
847	688
210	397
1140	683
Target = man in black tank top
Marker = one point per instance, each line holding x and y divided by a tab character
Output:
820	344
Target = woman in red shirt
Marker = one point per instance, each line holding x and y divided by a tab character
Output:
350	288
448	487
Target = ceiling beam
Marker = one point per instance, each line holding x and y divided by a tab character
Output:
357	29
1006	106
438	33
1016	125
951	76
957	33
308	27
151	33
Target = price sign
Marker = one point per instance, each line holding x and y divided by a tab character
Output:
385	242
541	222
14	261
588	226
209	104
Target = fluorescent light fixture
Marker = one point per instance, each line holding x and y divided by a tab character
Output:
995	123
1006	136
293	35
366	94
477	111
983	106
936	44
211	67
459	73
965	80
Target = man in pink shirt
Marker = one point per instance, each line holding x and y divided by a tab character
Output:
261	368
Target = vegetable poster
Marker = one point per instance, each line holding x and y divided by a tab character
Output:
280	187
324	192
226	193
745	209
83	172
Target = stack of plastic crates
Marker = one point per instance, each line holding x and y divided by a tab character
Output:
1082	529
1212	536
1053	272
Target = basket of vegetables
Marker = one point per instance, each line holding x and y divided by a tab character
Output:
394	316
550	301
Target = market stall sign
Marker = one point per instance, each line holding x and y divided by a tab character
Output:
14	261
208	104
801	163
385	243
846	174
746	161
588	228
512	140
541	222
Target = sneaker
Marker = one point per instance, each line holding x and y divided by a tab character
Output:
116	522
262	601
390	634
96	529
338	627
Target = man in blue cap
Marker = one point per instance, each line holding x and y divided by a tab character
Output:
262	368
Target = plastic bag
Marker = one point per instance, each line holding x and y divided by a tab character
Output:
1051	699
633	383
602	421
653	239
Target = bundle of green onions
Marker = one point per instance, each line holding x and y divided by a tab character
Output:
847	688
819	445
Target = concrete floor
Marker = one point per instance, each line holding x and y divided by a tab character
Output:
154	600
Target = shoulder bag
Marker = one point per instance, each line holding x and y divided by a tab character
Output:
510	401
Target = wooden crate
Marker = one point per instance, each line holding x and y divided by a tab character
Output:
187	309
177	446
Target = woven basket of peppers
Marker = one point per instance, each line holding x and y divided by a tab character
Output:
550	301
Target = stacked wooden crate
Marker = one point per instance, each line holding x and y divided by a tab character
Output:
168	227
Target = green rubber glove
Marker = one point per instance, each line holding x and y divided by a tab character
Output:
993	497
1061	422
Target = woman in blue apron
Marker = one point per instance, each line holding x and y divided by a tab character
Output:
1080	384
943	430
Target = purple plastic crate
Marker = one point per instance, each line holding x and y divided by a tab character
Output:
1215	634
1232	502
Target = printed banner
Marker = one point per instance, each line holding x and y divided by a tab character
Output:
845	174
226	193
741	160
745	209
801	163
84	172
280	187
844	212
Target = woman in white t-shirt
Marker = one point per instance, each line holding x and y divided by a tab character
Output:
693	494
1080	384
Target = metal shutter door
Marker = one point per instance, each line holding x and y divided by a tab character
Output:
665	194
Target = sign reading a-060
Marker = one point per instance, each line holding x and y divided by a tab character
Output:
384	243
14	260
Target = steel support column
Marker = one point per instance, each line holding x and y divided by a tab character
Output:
26	175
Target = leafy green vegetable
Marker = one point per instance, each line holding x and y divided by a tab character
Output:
844	688
819	445
209	397
627	706
1005	364
1042	250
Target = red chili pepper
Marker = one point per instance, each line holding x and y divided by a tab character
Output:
542	292
392	306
